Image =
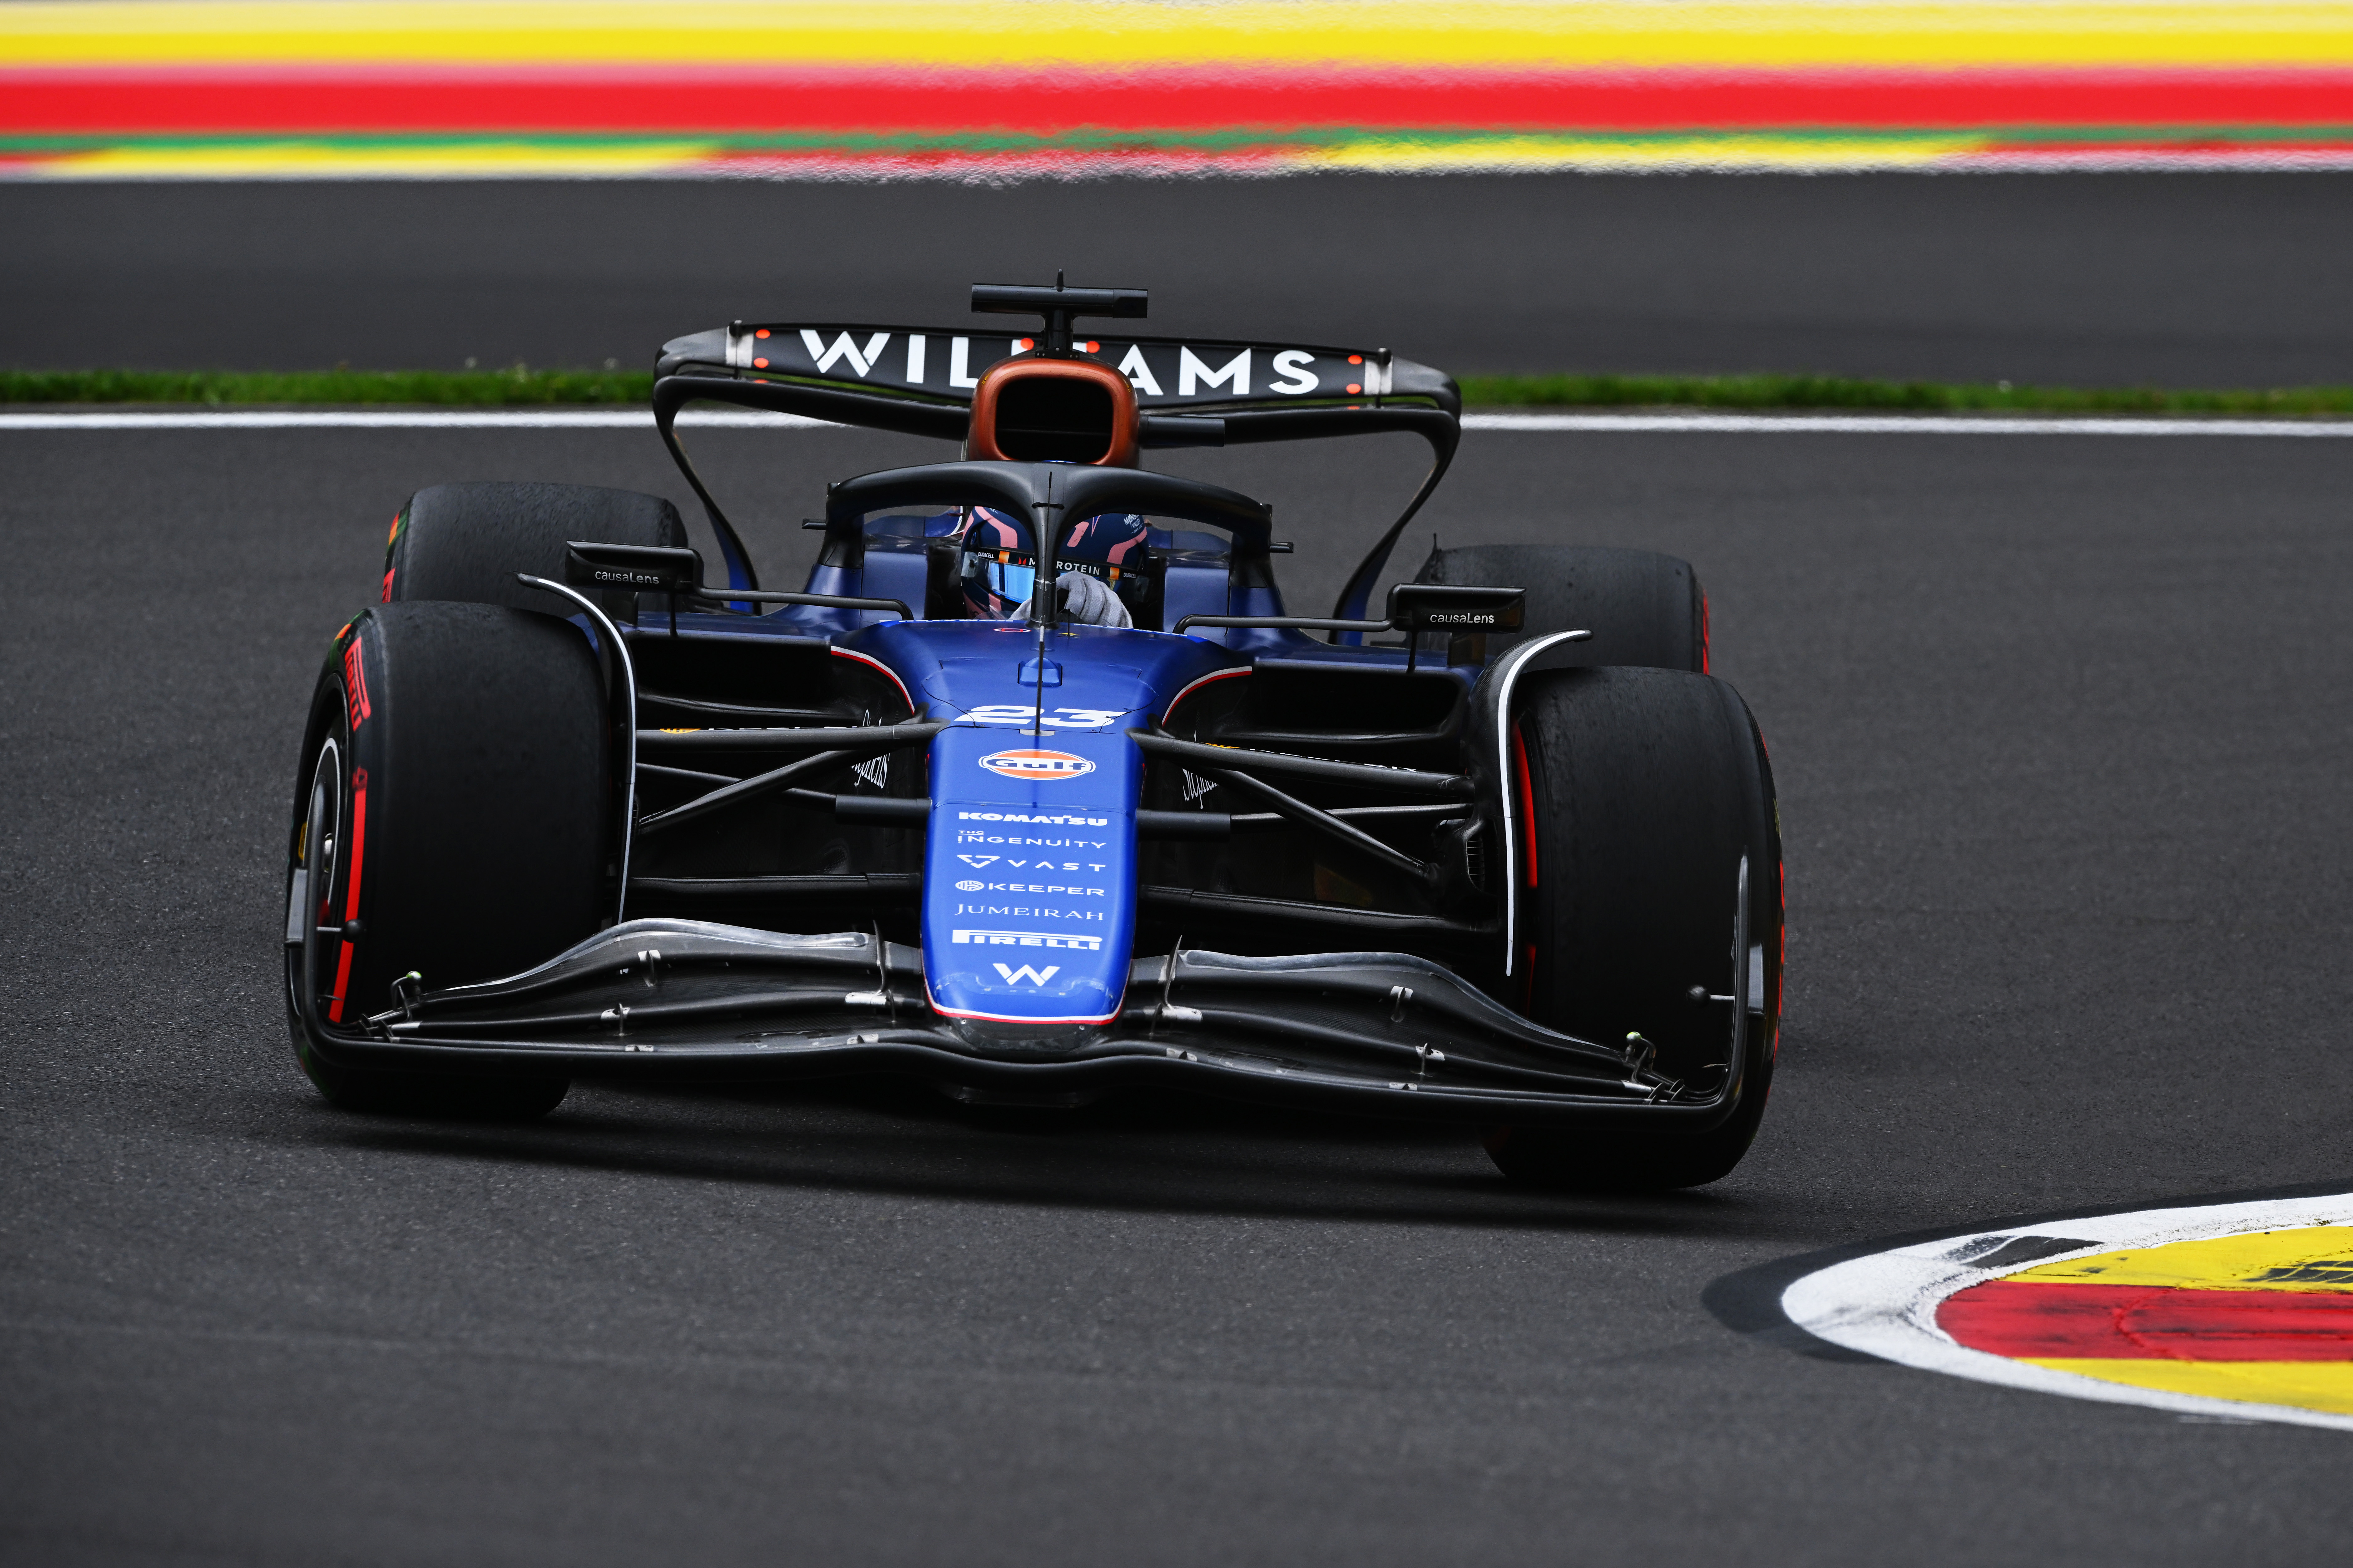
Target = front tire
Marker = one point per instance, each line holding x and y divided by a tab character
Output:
466	543
1641	794
1642	607
451	819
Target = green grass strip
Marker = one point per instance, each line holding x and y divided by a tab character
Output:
522	386
518	386
1902	396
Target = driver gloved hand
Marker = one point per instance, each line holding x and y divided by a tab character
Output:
1090	601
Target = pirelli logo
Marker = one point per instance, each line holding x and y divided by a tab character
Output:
1026	938
355	691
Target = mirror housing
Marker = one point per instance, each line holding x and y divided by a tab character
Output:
1416	607
633	568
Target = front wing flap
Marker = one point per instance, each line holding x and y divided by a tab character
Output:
1381	1033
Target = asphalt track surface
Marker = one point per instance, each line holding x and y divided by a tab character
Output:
2173	279
2060	728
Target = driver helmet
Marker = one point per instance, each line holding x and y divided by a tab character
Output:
1000	562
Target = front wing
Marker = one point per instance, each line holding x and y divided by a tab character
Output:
1378	1032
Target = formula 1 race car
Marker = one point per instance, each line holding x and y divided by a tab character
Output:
1035	790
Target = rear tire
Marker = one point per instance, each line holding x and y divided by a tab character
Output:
466	543
457	770
1642	607
1643	790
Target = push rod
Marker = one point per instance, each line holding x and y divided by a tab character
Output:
866	739
758	784
1307	815
1365	775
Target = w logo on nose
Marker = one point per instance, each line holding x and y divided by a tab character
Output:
1034	976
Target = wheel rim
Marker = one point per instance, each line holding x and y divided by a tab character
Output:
313	933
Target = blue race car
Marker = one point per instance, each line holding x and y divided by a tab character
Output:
1035	790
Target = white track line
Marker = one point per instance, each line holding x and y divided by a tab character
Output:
1885	1304
394	419
1900	424
1594	423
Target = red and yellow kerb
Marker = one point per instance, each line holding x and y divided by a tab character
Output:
2265	1318
825	89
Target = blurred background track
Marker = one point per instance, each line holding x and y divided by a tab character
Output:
2182	279
200	89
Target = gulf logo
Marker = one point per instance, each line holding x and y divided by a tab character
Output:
2237	1310
1036	765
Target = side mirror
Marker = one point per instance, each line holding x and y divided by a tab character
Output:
1445	608
633	568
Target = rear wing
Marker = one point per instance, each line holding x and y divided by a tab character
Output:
940	367
1189	392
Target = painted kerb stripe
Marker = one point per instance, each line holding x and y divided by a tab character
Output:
1886	1303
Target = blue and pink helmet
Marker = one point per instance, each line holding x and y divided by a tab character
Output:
1000	560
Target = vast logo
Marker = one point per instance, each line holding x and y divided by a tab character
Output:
1035	764
1034	975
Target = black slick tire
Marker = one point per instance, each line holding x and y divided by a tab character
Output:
451	819
1641	793
1642	607
466	543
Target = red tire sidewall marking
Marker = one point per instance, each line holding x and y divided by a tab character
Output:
1524	780
357	710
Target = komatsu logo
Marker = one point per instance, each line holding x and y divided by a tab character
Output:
1036	765
1063	821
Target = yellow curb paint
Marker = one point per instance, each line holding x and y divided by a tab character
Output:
2316	1257
2325	1385
297	160
1565	34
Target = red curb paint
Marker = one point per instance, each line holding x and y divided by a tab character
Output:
2140	1323
724	100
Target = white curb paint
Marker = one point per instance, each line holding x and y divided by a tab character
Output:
1594	423
1899	425
1886	1304
398	419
